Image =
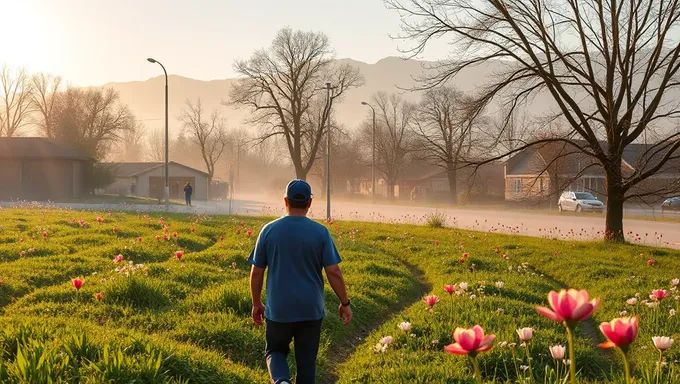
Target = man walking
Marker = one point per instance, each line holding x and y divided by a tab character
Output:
294	249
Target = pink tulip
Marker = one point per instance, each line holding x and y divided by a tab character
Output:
158	237
466	255
249	232
99	296
1	282
99	220
662	343
179	255
139	239
470	341
115	229
118	258
650	262
78	282
450	288
658	294
569	305
675	282
221	238
174	234
620	332
431	300
166	237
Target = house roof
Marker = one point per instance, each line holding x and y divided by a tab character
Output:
136	169
36	148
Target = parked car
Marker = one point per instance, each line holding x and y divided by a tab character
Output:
579	202
671	204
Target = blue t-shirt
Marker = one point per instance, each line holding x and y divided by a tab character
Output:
294	249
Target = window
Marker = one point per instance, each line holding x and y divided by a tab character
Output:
540	184
518	185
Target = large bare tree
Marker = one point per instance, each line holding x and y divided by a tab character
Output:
610	67
89	120
154	146
16	92
443	131
207	131
393	141
284	89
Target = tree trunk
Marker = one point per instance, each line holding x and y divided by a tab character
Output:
451	173
300	171
615	198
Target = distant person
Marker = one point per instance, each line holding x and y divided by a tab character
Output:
133	188
188	190
294	249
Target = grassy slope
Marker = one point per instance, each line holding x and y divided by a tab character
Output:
196	312
613	273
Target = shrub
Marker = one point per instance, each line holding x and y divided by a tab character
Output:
436	219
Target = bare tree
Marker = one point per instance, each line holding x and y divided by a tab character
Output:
442	130
154	146
89	120
284	88
207	131
392	136
130	147
16	91
612	82
45	95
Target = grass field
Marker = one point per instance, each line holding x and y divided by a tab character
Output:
167	320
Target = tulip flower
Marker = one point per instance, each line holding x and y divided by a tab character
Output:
174	234
557	352
466	255
99	220
193	230
463	286
620	334
471	342
569	307
431	300
118	258
139	239
675	282
115	229
249	232
405	326
99	296
78	282
632	301
662	343
658	294
500	284
158	237
450	288
650	262
387	340
179	255
1	282
525	334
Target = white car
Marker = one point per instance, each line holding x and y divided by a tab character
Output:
579	202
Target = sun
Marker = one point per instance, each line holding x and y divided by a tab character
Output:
23	34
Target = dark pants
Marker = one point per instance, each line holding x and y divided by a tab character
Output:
187	197
279	335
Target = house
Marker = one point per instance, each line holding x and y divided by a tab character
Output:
479	185
542	172
36	168
149	180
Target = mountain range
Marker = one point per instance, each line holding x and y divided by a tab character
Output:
391	74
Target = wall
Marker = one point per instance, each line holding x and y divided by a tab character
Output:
530	188
10	179
122	187
200	187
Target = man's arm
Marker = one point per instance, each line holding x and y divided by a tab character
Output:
337	282
256	282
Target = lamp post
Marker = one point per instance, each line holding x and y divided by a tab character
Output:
373	153
328	154
167	177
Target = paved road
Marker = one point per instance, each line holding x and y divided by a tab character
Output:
530	223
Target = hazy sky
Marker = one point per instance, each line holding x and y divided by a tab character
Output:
91	42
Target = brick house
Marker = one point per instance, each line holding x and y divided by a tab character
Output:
541	173
36	168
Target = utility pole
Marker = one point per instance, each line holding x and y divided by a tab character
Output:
328	153
373	153
167	173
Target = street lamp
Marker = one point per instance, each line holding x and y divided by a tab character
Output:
167	177
328	153
373	151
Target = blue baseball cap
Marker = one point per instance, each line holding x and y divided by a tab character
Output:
299	191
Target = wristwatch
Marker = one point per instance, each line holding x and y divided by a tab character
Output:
346	304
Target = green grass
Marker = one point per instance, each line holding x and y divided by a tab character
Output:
163	320
117	199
